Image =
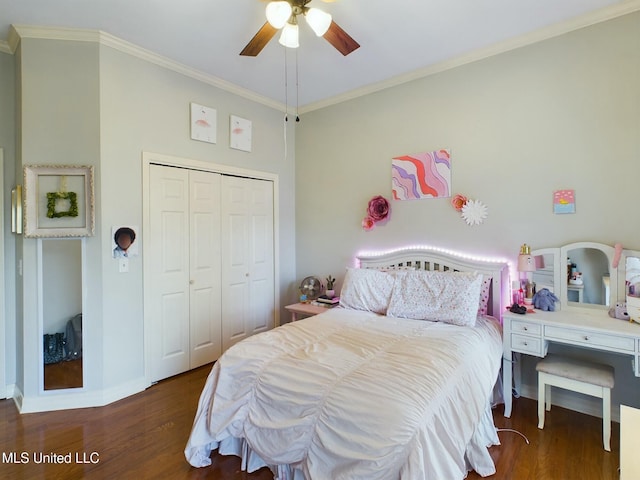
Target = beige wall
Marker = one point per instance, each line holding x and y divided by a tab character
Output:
563	113
7	143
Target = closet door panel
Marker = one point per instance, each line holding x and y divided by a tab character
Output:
204	281
235	258
261	251
247	252
169	282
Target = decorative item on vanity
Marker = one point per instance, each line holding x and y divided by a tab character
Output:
310	289
620	312
526	264
377	211
632	287
330	292
544	300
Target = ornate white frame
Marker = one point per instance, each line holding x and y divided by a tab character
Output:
35	223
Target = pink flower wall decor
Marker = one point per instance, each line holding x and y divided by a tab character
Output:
377	211
458	202
378	208
368	223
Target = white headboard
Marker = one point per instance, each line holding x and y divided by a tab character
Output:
434	259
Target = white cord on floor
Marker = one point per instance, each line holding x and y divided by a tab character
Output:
513	431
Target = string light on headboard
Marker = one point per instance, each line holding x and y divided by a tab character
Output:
445	251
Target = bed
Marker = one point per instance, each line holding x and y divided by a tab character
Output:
396	383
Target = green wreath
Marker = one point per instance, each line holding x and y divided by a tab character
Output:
53	197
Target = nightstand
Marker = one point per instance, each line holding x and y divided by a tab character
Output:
305	309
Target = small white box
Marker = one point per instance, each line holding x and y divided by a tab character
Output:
633	308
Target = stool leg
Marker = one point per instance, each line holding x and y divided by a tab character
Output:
547	397
606	418
541	400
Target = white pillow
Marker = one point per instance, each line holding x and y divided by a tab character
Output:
367	289
450	297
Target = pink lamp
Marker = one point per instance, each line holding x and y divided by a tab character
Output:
527	263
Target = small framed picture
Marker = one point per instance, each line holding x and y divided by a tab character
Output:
564	201
240	133
203	123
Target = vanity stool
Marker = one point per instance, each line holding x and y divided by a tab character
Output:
583	377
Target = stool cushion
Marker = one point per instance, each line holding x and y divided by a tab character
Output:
587	372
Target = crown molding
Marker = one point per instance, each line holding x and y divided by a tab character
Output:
539	35
111	41
17	32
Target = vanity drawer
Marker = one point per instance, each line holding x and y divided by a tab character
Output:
529	328
527	344
596	340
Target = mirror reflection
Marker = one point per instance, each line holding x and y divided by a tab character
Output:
61	280
543	277
632	276
587	276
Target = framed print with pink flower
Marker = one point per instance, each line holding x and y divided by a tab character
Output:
421	175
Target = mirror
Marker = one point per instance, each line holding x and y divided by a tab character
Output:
632	276
580	274
588	276
60	307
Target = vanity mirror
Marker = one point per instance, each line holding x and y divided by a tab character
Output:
581	274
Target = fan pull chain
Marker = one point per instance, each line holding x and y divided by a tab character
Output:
297	88
286	87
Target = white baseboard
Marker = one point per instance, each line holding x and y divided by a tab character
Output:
76	398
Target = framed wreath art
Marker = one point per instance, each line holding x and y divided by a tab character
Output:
58	201
54	199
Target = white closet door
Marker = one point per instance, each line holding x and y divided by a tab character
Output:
184	250
168	247
261	277
247	258
204	253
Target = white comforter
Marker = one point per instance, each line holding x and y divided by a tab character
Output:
354	395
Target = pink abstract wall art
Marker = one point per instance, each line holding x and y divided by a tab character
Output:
421	175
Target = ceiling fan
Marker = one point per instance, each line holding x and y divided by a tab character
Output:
284	15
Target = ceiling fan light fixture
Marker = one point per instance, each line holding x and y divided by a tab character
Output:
318	20
289	36
278	13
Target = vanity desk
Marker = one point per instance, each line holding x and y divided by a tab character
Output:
531	333
585	324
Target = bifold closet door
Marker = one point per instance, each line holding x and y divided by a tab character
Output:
184	287
248	287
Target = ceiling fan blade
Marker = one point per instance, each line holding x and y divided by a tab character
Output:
259	40
340	39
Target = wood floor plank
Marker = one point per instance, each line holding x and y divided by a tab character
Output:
143	437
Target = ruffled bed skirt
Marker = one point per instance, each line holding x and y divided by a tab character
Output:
477	457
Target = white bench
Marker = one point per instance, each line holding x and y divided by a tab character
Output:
583	377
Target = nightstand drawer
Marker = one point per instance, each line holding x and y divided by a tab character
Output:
596	340
527	344
523	326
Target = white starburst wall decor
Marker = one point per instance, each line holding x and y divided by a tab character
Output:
472	211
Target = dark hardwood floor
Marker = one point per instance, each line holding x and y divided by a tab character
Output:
143	437
65	374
